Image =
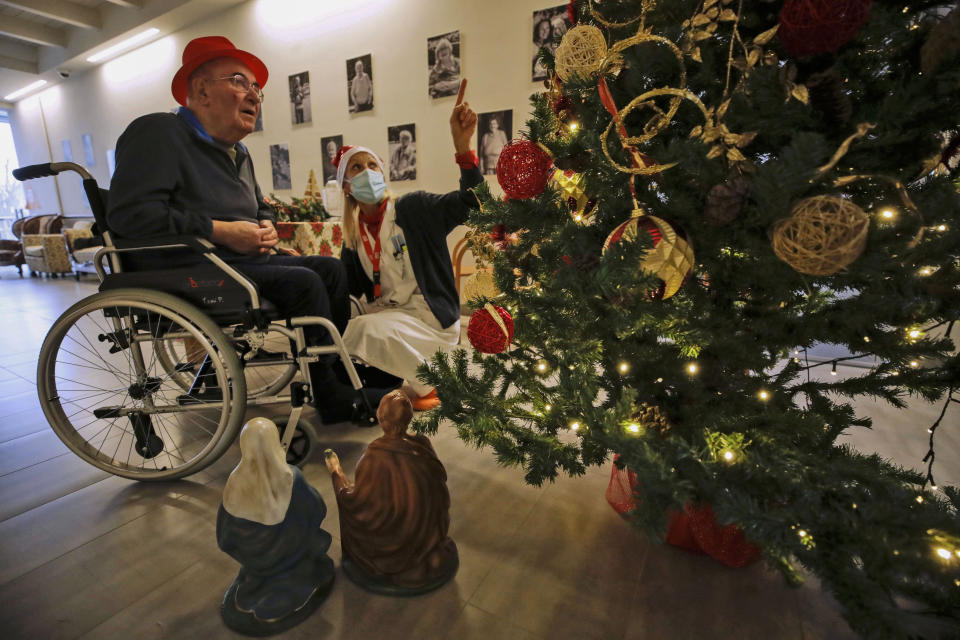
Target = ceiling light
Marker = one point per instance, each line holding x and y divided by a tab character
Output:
123	45
27	89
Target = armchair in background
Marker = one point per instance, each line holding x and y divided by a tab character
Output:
11	255
44	247
82	247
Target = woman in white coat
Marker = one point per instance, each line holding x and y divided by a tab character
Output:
396	255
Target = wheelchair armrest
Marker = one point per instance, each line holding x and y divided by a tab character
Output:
196	243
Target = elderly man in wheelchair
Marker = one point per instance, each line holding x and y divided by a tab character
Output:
150	378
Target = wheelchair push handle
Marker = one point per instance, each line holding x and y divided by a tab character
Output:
34	171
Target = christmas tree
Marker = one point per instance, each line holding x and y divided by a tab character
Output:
708	189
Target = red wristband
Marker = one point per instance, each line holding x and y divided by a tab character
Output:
468	160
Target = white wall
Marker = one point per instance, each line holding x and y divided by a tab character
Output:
292	36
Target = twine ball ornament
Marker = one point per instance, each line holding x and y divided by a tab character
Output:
490	329
823	235
670	259
572	193
480	285
810	27
581	52
523	169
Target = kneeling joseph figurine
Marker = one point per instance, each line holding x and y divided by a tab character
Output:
394	519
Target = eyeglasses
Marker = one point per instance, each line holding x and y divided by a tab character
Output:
240	83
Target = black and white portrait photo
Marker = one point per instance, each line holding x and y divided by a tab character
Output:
402	141
300	97
360	84
443	58
494	129
280	165
549	25
328	149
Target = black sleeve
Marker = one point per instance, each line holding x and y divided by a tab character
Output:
448	209
264	211
357	281
148	166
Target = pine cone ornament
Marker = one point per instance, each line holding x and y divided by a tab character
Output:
725	201
944	40
651	418
828	96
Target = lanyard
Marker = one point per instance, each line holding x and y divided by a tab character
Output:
374	255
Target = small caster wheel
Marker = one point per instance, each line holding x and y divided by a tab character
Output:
302	443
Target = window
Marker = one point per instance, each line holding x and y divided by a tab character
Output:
11	190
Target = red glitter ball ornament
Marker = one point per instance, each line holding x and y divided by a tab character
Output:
490	329
809	27
523	169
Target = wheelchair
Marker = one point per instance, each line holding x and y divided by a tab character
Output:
150	378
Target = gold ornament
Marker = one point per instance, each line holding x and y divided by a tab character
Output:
581	52
823	235
572	194
670	259
480	285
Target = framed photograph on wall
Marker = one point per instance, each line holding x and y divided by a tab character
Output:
67	151
328	147
549	25
443	59
280	165
402	142
88	156
299	84
360	84
494	129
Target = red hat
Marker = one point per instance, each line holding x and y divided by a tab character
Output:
200	50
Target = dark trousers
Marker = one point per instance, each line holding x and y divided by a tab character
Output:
303	286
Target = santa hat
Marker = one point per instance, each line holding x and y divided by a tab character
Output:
343	156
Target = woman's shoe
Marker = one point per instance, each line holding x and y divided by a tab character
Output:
427	402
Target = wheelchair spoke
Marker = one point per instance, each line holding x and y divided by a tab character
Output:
121	404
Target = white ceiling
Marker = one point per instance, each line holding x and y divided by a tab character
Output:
38	37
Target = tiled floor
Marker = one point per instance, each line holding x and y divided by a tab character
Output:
84	554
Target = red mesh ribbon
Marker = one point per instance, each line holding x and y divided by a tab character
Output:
695	530
523	169
809	27
486	334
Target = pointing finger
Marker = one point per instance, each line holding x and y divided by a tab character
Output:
463	88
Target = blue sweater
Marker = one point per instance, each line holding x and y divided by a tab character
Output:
426	220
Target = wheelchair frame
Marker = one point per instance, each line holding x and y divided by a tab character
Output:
140	316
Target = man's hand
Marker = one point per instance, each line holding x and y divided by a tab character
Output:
244	237
463	122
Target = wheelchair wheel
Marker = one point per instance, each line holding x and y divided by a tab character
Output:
267	369
302	443
108	397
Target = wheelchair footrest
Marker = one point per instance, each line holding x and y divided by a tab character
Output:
212	395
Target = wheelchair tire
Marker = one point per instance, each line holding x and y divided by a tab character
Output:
108	398
265	376
303	442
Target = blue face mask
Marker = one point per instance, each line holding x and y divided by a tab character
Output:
368	187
